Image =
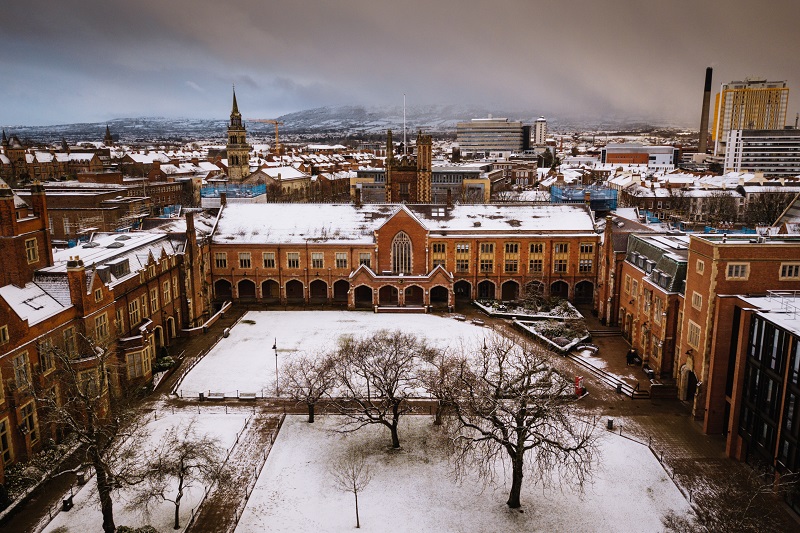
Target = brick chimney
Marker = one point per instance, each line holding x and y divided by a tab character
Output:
449	198
223	199
76	277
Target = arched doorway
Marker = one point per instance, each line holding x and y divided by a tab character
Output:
246	290
222	289
439	296
486	290
584	292
270	290
388	295
363	296
414	295
158	333
294	291
559	289
340	289
509	291
171	328
688	386
318	290
463	291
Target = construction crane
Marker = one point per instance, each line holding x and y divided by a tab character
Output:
271	121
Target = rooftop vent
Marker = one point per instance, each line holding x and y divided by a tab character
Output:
115	245
90	245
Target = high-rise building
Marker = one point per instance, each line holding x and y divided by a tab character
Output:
238	151
773	152
487	136
539	132
752	104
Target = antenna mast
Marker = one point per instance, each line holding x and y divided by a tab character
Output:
405	145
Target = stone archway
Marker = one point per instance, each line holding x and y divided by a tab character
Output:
559	289
584	292
246	290
223	289
439	296
318	291
688	385
388	295
294	291
340	290
486	290
414	295
509	291
270	290
363	297
463	290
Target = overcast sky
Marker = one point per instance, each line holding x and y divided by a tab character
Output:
94	60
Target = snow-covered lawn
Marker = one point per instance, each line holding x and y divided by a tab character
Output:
413	490
85	516
245	361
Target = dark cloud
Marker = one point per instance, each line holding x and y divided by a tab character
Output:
87	60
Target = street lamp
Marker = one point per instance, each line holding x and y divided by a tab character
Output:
275	347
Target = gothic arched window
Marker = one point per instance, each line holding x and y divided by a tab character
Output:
401	253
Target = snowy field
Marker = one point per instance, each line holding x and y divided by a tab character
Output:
414	490
245	361
85	516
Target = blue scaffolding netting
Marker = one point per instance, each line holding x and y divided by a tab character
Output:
600	198
233	190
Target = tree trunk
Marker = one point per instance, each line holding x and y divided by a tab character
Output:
311	413
437	414
358	523
177	524
104	492
516	483
395	437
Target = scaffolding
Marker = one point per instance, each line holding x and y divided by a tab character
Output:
599	198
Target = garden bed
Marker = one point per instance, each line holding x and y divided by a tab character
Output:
560	336
561	310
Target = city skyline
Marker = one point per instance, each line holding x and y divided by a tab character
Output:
88	61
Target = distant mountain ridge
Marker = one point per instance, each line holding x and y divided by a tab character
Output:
321	122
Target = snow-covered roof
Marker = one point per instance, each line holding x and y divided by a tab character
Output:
346	223
286	173
31	302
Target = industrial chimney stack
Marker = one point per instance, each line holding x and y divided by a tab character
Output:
703	147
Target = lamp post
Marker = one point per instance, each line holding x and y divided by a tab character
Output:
275	347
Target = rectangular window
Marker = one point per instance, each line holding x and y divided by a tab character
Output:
658	308
154	299
29	421
462	257
694	335
341	259
536	258
700	266
269	259
70	348
151	270
536	265
101	326
790	271
586	257
119	320
244	259
537	248
487	257
439	254
31	251
585	265
143	305
88	383
511	259
98	295
364	258
738	270
134	316
317	260
293	260
4	334
697	300
221	260
634	289
560	257
5	442
627	284
175	287
22	370
136	364
166	292
46	355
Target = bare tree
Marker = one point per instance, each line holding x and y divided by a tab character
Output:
79	397
351	473
721	207
376	376
511	406
306	380
182	457
765	207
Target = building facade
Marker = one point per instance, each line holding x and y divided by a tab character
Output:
752	104
237	149
487	136
772	152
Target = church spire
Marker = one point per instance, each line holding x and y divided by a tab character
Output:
236	117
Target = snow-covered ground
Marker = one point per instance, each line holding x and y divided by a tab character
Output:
245	361
85	516
413	490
